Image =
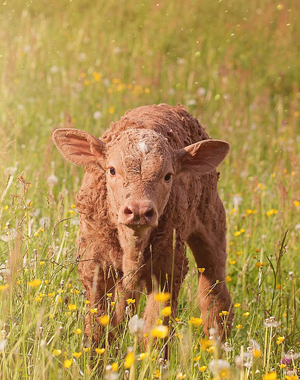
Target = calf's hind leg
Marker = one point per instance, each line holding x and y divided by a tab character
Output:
209	249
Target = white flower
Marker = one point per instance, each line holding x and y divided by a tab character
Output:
201	91
271	322
237	200
82	57
54	69
254	346
136	325
3	343
45	222
191	102
217	365
297	227
226	347
247	360
97	115
11	234
52	180
292	355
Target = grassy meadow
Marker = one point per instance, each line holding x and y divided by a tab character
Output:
235	66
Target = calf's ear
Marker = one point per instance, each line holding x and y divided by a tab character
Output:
204	156
79	147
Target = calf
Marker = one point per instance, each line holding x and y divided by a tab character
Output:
149	187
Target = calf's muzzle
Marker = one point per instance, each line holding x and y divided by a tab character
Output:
136	214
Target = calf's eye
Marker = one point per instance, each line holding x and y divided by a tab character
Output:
168	177
112	171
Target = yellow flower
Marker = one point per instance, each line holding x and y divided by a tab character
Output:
104	320
35	283
232	262
5	207
224	373
269	213
111	110
100	351
197	358
38	299
143	356
67	363
162	297
210	349
256	353
51	295
225	312
86	349
72	307
201	270
129	360
114	367
239	326
46	282
113	303
237	233
166	311
93	311
292	377
228	278
56	352
195	321
280	339
179	336
109	295
42	263
97	77
160	331
159	321
297	203
177	319
246	314
270	376
87	302
282	366
77	331
59	291
3	287
205	343
77	354
130	301
203	368
157	374
181	375
237	305
51	315
67	313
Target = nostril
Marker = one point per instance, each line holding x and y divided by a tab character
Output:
149	213
128	211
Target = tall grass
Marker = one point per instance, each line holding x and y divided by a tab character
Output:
235	66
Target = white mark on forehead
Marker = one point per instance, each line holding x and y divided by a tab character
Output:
142	146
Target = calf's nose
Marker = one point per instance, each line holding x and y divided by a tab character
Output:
138	213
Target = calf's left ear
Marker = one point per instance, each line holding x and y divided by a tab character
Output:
204	156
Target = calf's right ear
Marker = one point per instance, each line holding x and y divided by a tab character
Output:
79	147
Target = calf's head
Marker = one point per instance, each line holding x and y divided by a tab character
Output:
140	168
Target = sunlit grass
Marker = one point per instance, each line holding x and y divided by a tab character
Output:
235	66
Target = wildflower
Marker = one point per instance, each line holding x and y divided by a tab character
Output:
87	302
35	283
181	375
111	110
67	363
205	343
292	355
260	264
59	291
201	270
162	297
157	374
112	303
51	295
282	366
77	354
237	305
270	376
56	352
239	326
143	356
291	377
237	200
179	336
93	311
46	282
96	76
166	311
197	358
195	321
129	360
67	313
100	351
38	299
130	301
51	315
203	368
86	349
226	347
104	320
77	331
3	287
52	180
72	307
136	325
256	353
269	213
246	314
217	366
159	321
160	331
232	262
109	295
280	339
271	322
210	349
114	367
